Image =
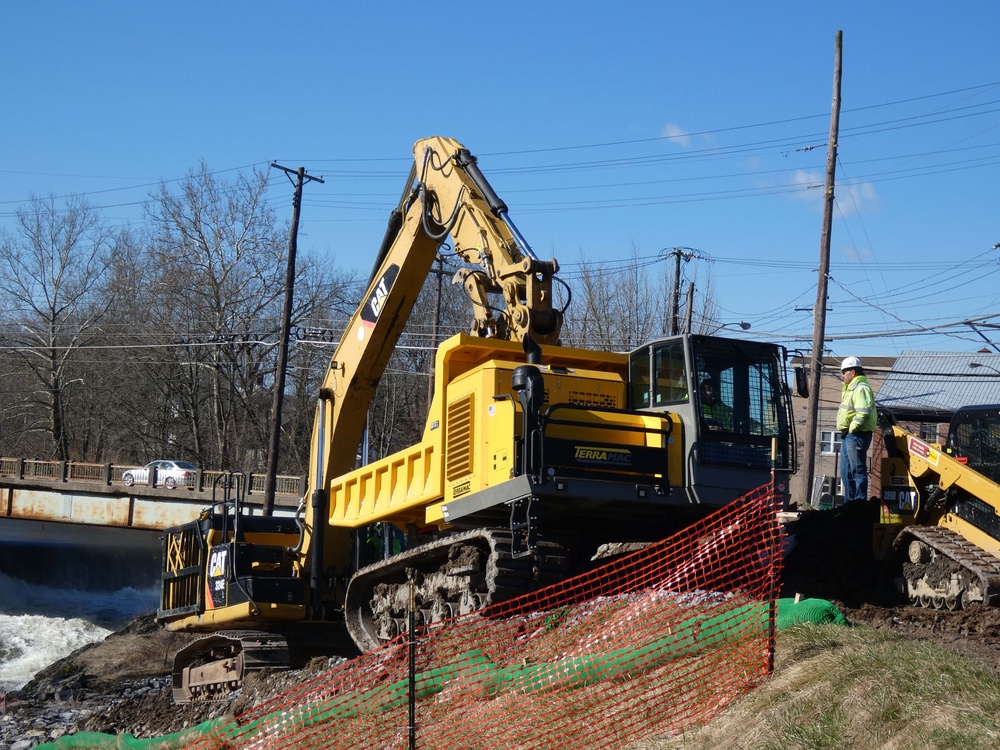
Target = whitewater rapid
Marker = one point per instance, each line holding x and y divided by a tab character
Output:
41	624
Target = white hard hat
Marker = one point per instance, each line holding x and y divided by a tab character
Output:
851	363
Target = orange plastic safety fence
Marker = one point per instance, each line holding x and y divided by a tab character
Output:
648	644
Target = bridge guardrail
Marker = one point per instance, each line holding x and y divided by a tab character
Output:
59	472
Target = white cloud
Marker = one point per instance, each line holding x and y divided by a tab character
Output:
857	198
677	134
852	199
812	184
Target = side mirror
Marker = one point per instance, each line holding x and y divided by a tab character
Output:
801	382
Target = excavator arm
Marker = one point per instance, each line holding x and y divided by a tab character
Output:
447	196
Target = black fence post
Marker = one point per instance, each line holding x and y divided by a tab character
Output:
412	641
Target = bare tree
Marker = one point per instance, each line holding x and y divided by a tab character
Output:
51	275
617	310
621	309
138	344
212	294
219	261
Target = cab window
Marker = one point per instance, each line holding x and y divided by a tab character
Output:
670	385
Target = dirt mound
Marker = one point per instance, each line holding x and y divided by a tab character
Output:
122	684
833	559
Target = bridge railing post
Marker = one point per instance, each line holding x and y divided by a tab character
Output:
107	475
20	468
63	471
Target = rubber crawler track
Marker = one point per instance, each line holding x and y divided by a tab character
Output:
982	565
453	575
211	667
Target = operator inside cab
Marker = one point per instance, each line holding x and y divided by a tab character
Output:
714	412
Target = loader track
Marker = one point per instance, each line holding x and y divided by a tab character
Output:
213	666
945	571
453	576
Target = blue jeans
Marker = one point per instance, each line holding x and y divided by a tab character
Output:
854	466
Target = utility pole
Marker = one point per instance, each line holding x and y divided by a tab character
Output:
671	323
274	427
819	311
676	296
690	307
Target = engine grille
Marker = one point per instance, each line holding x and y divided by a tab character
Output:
458	449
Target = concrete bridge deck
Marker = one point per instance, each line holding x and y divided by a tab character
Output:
54	515
96	495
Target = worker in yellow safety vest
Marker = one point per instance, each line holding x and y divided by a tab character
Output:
856	421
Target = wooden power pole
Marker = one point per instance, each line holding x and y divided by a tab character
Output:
274	427
819	311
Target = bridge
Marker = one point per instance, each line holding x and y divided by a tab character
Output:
96	494
54	515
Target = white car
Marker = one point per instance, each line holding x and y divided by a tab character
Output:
169	474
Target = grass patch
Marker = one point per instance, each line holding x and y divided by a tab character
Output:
858	688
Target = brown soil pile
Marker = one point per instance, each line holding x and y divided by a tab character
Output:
122	684
833	559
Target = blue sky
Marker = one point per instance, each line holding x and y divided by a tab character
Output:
613	132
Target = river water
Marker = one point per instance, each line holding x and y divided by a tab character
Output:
40	624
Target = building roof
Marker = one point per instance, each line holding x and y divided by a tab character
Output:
929	386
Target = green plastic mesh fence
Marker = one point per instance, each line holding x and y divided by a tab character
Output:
649	644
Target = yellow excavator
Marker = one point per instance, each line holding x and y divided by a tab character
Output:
535	457
939	533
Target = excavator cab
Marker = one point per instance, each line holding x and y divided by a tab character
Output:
733	402
229	559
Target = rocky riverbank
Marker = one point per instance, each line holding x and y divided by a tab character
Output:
121	685
31	719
